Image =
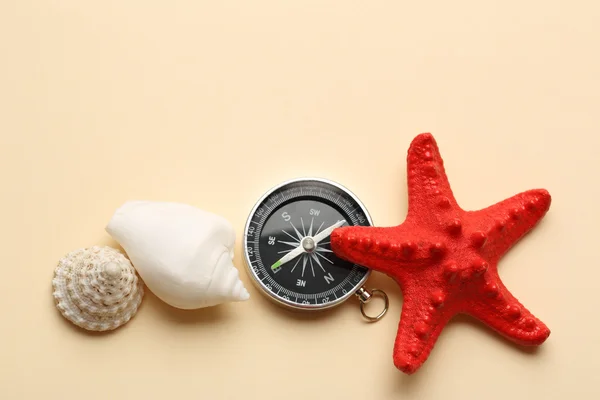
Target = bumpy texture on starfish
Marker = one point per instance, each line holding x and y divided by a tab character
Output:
444	258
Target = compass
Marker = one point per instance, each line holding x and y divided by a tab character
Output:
288	251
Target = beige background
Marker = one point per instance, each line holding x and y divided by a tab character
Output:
213	102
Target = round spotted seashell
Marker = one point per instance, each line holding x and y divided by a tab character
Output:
97	288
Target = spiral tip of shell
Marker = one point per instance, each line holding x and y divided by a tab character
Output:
112	270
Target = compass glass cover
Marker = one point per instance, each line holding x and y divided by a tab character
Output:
293	217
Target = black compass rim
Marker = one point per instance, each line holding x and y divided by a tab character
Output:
258	283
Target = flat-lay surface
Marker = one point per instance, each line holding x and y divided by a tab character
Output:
213	103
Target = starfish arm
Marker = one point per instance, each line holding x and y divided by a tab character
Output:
428	186
501	225
421	323
384	249
505	314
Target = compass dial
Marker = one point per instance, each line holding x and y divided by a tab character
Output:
287	244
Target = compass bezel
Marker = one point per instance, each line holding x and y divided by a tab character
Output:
262	287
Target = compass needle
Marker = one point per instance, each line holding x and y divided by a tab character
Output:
328	231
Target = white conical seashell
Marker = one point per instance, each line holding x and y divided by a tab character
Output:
97	288
183	254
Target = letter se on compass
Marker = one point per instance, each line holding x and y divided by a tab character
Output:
288	249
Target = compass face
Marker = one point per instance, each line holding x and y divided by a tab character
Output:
287	244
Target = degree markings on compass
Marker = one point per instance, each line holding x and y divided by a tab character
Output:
338	202
347	209
264	218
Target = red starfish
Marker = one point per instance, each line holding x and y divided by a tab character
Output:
445	259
